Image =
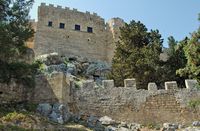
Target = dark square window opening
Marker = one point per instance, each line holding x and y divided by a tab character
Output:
62	25
50	23
90	29
77	27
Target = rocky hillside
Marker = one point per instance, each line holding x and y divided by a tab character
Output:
79	68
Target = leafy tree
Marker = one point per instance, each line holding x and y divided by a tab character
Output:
15	30
176	60
192	52
137	55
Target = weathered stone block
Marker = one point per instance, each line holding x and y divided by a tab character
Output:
59	7
67	8
172	85
43	4
75	10
88	85
51	5
108	83
190	84
152	87
130	83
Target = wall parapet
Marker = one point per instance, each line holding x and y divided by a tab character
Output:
72	10
131	83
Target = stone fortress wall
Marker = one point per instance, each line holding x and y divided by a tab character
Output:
144	106
122	103
56	32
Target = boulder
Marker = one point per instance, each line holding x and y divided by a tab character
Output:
106	120
93	122
123	129
56	113
44	109
170	126
192	129
134	126
71	69
196	123
53	116
110	128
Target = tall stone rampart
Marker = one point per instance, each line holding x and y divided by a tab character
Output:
71	32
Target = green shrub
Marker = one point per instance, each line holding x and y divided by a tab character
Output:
194	103
24	73
11	128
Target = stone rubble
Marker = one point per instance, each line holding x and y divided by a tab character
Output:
60	114
57	112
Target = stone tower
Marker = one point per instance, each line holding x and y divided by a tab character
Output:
71	32
113	25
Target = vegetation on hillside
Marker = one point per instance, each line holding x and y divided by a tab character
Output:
15	30
137	55
192	53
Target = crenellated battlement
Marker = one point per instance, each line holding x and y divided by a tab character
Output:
72	10
131	83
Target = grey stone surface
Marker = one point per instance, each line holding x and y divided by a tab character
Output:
110	128
108	83
88	85
191	84
45	109
172	85
130	83
56	112
170	126
106	120
152	87
196	123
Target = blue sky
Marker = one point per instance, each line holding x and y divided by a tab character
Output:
171	17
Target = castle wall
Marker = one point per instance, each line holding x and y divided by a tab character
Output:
120	103
69	41
143	106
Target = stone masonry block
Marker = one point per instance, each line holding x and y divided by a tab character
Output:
75	10
88	85
130	83
108	83
60	7
152	87
67	8
190	84
172	85
43	4
51	5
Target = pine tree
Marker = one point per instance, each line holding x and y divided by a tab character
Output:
15	28
192	52
137	55
176	60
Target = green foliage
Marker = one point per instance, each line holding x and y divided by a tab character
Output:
11	128
23	72
194	103
192	52
137	55
15	28
176	60
25	108
14	116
